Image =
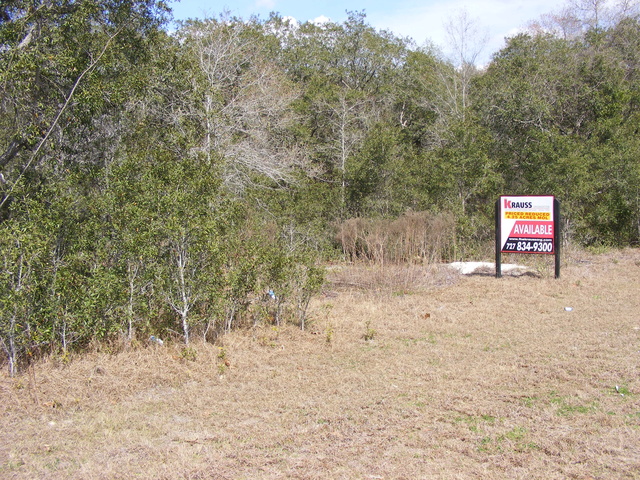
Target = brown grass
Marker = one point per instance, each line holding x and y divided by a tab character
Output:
464	377
414	237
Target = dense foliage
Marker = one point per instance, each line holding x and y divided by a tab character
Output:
163	183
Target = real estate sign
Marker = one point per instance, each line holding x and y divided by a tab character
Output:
527	224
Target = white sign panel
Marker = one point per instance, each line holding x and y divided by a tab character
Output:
527	224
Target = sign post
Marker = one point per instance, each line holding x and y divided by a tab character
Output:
527	224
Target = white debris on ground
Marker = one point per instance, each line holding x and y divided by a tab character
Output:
467	268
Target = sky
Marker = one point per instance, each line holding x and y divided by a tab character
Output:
423	21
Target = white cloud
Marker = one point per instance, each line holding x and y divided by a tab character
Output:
292	21
320	20
425	22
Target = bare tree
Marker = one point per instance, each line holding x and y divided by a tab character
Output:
563	24
182	296
466	41
593	14
578	16
244	101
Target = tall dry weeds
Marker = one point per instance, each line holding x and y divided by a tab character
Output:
415	237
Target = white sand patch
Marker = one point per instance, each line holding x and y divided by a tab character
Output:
467	268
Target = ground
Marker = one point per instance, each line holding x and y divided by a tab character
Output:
401	373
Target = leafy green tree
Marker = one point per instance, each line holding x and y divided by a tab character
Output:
560	111
66	68
347	73
63	63
23	247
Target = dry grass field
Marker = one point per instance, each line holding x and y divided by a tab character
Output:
401	374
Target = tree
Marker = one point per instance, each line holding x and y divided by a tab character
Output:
560	111
51	84
66	68
347	73
22	281
466	43
241	99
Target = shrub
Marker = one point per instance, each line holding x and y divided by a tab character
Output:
414	237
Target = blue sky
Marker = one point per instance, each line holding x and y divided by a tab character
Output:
421	20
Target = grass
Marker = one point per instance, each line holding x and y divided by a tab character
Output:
466	377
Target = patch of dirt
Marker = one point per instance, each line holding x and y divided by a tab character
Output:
461	377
